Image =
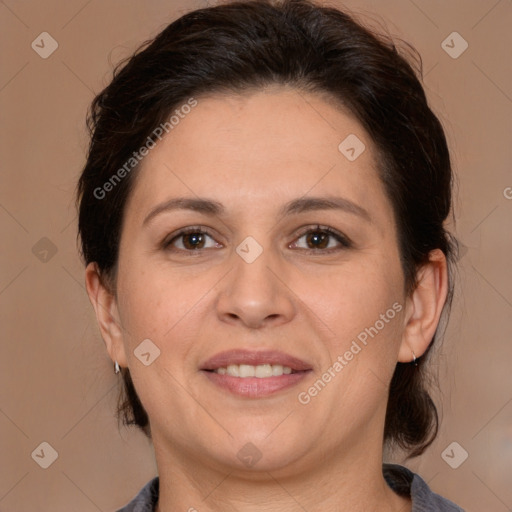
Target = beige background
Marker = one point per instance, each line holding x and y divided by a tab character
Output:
57	384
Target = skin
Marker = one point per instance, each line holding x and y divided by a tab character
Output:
254	153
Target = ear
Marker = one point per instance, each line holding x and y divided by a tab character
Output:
107	315
424	307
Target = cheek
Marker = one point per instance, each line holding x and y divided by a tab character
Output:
170	306
350	299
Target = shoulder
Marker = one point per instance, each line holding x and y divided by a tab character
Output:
146	500
404	482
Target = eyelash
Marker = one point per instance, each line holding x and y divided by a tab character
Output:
345	242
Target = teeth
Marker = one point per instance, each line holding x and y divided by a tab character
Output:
233	370
260	371
263	370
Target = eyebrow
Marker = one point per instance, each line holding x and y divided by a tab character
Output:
307	204
206	206
301	205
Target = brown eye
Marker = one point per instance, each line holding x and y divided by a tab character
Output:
322	240
317	240
193	239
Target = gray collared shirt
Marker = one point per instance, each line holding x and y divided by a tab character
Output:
402	480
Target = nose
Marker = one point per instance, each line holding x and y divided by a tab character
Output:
255	294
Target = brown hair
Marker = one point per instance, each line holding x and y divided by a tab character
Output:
250	44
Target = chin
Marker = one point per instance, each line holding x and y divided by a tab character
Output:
261	452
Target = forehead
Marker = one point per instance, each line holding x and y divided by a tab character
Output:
244	149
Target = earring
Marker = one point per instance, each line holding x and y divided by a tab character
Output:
414	358
116	367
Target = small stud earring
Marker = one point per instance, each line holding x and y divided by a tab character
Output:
116	367
414	358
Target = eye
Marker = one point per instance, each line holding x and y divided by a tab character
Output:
319	239
191	239
322	239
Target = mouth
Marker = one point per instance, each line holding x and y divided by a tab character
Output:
250	363
254	374
260	371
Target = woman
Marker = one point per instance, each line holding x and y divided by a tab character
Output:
261	215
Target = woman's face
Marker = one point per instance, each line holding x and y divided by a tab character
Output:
257	180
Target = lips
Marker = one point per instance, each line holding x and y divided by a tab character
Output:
254	358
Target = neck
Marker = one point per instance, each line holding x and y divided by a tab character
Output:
342	482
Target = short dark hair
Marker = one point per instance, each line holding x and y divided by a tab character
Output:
247	45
